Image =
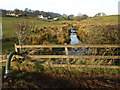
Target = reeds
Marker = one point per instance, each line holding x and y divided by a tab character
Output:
50	35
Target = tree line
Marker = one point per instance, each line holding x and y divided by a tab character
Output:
29	12
34	13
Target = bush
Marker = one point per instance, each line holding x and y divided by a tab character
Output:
99	34
50	35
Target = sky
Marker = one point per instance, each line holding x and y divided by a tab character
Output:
89	7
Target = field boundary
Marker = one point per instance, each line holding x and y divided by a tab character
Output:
56	46
66	51
19	47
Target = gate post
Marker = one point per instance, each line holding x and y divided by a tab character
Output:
66	52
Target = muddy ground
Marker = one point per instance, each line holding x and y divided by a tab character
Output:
52	79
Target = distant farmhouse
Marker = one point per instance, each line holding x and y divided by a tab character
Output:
13	14
47	17
43	16
55	18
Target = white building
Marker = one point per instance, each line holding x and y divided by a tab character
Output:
13	14
43	17
56	18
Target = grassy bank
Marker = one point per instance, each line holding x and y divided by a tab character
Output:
99	30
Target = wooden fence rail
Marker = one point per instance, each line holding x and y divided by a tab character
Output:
60	46
67	56
84	66
73	56
66	51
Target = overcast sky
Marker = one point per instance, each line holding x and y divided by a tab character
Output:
89	7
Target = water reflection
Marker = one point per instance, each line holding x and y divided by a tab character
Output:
74	39
76	50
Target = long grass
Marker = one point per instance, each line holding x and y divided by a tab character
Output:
8	27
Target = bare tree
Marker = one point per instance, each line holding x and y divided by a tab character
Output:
22	30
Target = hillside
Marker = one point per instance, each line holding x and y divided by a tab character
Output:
111	19
8	24
99	30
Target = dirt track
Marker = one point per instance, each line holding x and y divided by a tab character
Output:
62	80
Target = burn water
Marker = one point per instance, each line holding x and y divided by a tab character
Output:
75	41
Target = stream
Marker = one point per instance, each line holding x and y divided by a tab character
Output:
76	50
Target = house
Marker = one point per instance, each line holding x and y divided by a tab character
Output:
43	17
13	14
47	17
56	18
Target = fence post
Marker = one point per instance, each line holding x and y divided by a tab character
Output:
66	52
15	48
20	48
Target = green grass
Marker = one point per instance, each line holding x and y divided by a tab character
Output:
39	67
9	28
8	46
112	19
106	71
99	30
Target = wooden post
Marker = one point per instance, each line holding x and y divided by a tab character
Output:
66	52
20	48
15	48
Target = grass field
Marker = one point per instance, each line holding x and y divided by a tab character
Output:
33	74
9	26
9	29
9	22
